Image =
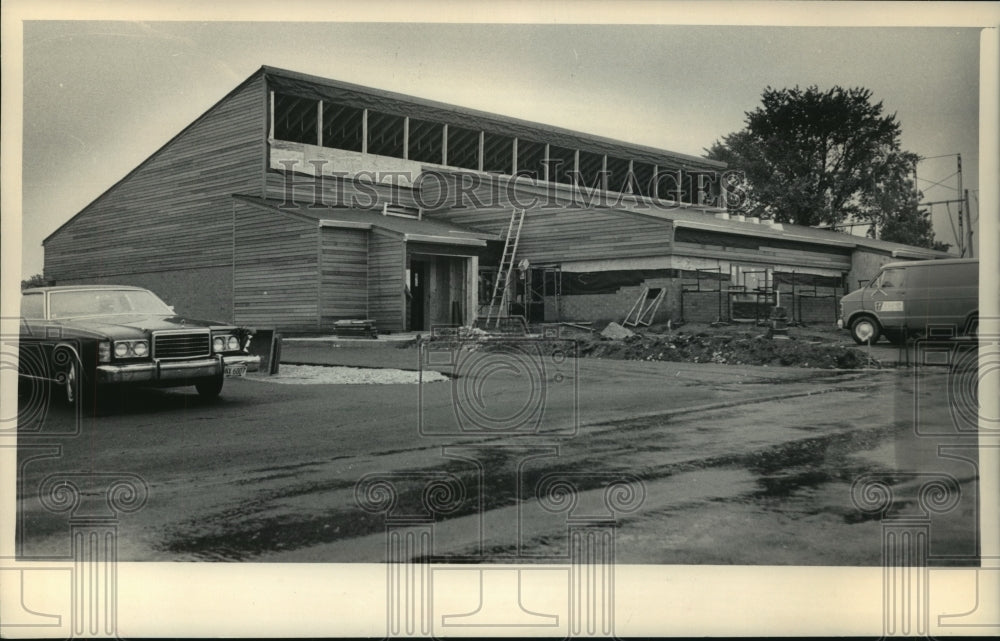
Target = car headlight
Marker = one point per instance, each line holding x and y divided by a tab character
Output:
233	344
104	352
218	344
131	349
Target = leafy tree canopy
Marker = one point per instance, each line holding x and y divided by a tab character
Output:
37	280
816	157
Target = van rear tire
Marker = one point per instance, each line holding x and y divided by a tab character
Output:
865	329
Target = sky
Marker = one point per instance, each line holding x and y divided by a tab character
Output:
101	96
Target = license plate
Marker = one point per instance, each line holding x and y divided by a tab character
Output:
236	371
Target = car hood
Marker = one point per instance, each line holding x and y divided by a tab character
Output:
127	325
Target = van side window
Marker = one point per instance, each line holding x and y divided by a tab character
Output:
891	278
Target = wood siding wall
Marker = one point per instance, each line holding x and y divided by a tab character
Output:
554	235
765	255
343	275
386	271
335	192
173	212
276	282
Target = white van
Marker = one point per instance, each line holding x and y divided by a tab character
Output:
905	298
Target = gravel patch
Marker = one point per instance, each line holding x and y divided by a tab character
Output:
325	375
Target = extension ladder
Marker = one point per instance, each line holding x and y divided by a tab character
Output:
499	302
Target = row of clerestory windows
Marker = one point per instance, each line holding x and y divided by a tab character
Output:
339	126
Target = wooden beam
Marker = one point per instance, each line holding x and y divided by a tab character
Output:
444	144
482	148
406	138
319	123
364	131
270	133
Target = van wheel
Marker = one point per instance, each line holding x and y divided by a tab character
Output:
865	329
209	387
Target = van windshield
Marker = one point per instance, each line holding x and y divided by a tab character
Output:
889	279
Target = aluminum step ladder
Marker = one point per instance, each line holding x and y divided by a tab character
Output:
644	310
500	301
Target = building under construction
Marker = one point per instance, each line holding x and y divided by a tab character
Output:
297	201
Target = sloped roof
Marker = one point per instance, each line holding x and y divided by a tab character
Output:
801	233
682	215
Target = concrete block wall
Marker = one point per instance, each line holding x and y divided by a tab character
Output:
810	309
598	307
602	308
703	307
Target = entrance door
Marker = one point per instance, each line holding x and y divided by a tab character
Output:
418	294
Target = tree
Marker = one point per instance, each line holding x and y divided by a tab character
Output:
35	281
821	158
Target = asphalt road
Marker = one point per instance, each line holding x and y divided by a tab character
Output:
695	463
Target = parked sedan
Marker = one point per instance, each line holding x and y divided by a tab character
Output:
82	337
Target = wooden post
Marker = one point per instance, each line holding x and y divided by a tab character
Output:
319	123
444	144
364	131
406	138
270	132
482	148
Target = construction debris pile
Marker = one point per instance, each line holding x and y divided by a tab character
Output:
727	345
735	348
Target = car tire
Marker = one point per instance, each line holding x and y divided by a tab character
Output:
865	329
71	385
209	387
74	389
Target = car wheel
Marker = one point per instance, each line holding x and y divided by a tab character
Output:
865	329
71	386
74	388
209	387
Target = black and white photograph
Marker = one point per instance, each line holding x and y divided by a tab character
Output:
511	320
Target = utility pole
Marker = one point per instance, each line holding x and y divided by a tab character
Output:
963	237
961	241
968	219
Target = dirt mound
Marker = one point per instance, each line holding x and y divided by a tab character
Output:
742	348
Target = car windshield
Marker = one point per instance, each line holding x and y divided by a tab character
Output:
105	302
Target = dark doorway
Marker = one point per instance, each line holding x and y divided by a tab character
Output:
418	294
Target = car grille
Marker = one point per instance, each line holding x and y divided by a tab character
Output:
182	344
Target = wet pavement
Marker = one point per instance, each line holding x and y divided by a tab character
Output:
689	463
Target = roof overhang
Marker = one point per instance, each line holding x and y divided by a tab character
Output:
764	231
444	240
915	253
344	224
